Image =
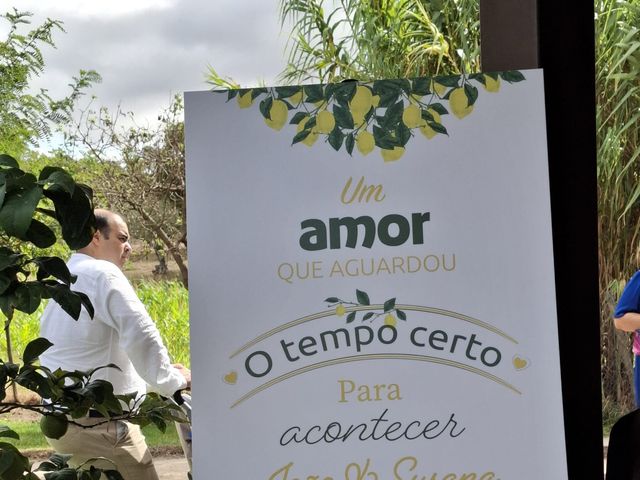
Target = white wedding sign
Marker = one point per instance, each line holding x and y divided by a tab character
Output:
372	282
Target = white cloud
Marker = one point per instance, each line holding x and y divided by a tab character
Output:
147	50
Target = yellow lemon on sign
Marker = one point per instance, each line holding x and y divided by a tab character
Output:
426	130
296	98
438	88
325	122
412	116
390	320
340	310
459	103
245	100
278	113
358	118
365	142
491	84
392	155
362	100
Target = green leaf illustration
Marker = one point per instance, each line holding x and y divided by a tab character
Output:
389	305
351	317
363	298
512	76
401	315
343	117
265	107
336	137
332	300
367	316
298	117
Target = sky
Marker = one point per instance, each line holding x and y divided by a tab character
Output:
148	50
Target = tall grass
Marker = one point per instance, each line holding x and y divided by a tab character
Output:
366	40
167	303
618	136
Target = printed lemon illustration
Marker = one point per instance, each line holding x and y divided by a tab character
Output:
392	155
15	465
412	116
312	137
296	98
340	310
365	142
375	101
54	426
358	118
438	88
325	122
278	114
390	320
491	84
426	130
459	103
245	100
362	100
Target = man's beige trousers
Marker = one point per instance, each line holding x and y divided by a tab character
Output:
121	442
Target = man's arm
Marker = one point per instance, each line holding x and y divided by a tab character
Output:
629	322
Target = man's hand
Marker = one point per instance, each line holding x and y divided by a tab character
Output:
186	373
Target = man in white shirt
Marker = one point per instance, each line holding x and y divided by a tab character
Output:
121	332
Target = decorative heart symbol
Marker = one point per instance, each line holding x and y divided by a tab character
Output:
231	378
520	363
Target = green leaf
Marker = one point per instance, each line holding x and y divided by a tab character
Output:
512	76
383	139
351	317
55	267
313	93
231	94
34	349
420	86
439	108
3	191
69	301
265	107
8	161
40	234
286	92
343	117
4	283
349	143
392	116
256	92
27	297
367	316
363	298
389	305
449	81
8	433
332	300
86	303
336	137
8	258
345	91
401	314
471	92
18	209
438	128
298	117
75	214
403	134
300	136
57	176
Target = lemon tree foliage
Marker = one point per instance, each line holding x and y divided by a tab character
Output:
362	300
27	115
385	114
25	200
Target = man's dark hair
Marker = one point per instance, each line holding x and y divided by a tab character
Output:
102	224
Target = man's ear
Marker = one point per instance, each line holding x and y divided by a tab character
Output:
96	237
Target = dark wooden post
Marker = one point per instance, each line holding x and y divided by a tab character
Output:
560	38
